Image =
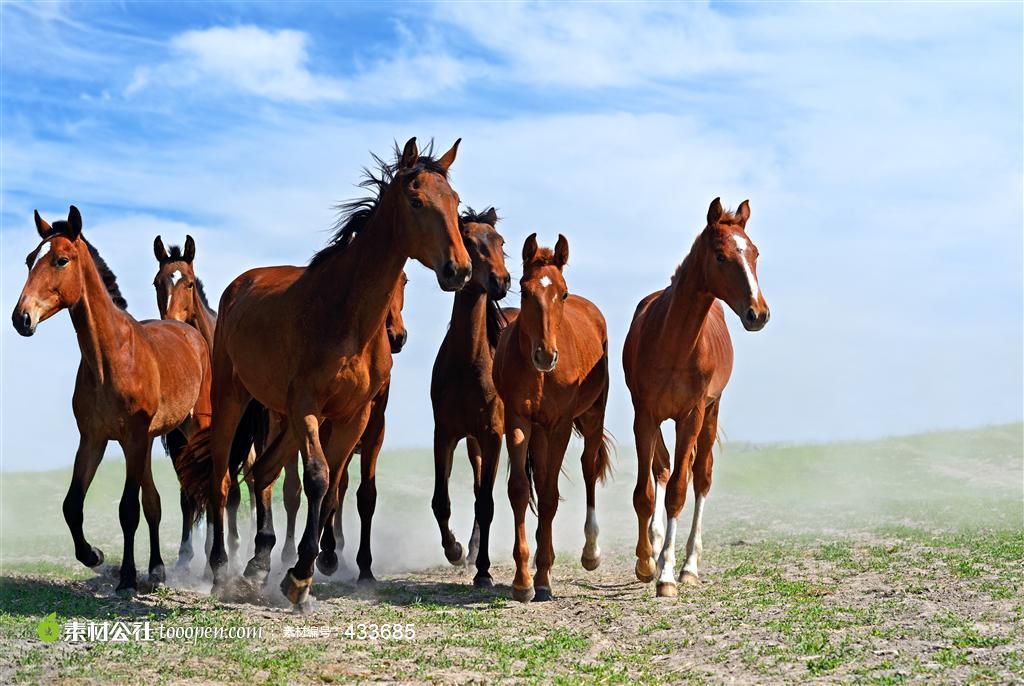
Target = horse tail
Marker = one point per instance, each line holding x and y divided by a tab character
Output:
195	469
604	452
174	443
253	429
529	479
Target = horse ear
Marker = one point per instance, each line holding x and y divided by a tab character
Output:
190	250
159	251
490	217
561	252
530	248
410	155
74	223
446	159
715	211
42	227
743	213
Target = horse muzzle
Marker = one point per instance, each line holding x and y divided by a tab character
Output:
545	361
452	277
754	319
23	322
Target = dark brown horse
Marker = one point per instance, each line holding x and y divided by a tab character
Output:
309	344
466	404
677	359
551	371
180	296
136	381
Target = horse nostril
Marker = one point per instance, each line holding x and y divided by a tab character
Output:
751	315
26	320
449	269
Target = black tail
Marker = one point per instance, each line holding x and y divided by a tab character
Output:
195	469
252	431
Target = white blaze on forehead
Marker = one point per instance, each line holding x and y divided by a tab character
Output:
176	276
545	281
741	246
44	250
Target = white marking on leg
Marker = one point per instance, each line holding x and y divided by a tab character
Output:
694	546
591	550
656	530
667	560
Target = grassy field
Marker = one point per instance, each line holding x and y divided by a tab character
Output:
892	561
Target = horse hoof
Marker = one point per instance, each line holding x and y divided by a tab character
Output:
256	573
366	579
689	579
483	581
522	595
158	575
295	590
646	569
94	558
455	554
126	588
542	595
590	563
327	563
666	589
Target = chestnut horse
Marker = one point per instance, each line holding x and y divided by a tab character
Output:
180	296
368	448
677	359
551	371
466	404
136	381
309	344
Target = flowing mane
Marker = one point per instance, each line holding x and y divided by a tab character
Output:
174	255
354	215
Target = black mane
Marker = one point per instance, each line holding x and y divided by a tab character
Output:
61	228
471	216
496	321
174	255
354	215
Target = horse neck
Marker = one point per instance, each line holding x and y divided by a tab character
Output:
204	320
468	333
689	304
99	324
351	291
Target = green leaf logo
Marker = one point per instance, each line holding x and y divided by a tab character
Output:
49	628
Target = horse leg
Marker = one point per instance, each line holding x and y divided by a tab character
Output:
292	500
489	449
476	465
441	504
327	559
591	425
644	429
265	472
339	530
87	459
517	435
250	486
661	471
234	500
136	457
229	400
549	451
151	509
702	463
366	494
687	427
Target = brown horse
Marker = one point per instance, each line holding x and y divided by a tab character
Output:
136	380
551	371
369	447
309	344
677	359
180	296
466	404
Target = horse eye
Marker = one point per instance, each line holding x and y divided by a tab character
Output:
565	296
190	286
62	261
720	257
416	202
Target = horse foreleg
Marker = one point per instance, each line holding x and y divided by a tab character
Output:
661	471
440	503
366	495
517	435
87	459
702	463
339	529
265	472
136	458
687	427
489	447
644	428
476	466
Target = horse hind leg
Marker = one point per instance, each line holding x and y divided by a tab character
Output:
591	425
702	464
661	470
292	499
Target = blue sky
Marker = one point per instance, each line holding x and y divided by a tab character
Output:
880	147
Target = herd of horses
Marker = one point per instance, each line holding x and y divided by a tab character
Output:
296	363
